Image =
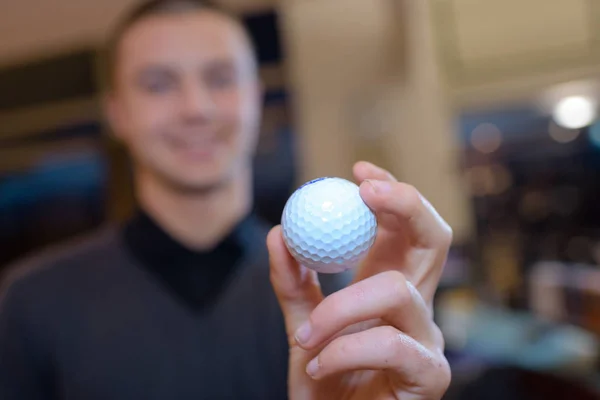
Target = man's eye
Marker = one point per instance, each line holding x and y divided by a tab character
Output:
221	80
156	82
158	85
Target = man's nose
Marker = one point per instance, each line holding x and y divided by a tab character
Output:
197	103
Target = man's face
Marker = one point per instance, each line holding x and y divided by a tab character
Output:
186	99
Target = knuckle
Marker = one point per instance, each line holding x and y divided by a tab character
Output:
438	337
447	235
336	351
389	338
397	347
398	284
440	374
390	335
445	376
393	276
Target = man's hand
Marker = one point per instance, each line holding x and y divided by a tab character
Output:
376	338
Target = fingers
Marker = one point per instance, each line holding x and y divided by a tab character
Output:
365	170
383	348
412	236
424	225
383	193
387	296
296	287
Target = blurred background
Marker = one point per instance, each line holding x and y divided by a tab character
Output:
488	107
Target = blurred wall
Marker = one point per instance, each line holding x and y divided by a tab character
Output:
35	27
30	28
493	52
367	86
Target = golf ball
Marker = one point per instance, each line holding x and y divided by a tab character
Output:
327	226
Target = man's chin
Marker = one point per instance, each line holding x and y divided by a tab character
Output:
196	185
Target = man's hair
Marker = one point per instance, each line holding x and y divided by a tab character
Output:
148	8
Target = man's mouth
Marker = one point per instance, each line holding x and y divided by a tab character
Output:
196	146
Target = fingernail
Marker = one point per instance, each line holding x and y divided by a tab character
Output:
379	186
303	333
313	367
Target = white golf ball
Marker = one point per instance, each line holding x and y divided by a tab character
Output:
327	226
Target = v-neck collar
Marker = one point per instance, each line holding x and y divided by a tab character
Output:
194	277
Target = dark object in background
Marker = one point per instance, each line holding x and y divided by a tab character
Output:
512	383
57	192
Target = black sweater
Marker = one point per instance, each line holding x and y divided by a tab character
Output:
131	314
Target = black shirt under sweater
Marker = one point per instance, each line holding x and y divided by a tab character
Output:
132	314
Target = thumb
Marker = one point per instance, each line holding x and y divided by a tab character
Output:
297	288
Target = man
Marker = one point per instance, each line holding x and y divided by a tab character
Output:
185	301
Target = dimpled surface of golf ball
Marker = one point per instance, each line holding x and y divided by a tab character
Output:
327	226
